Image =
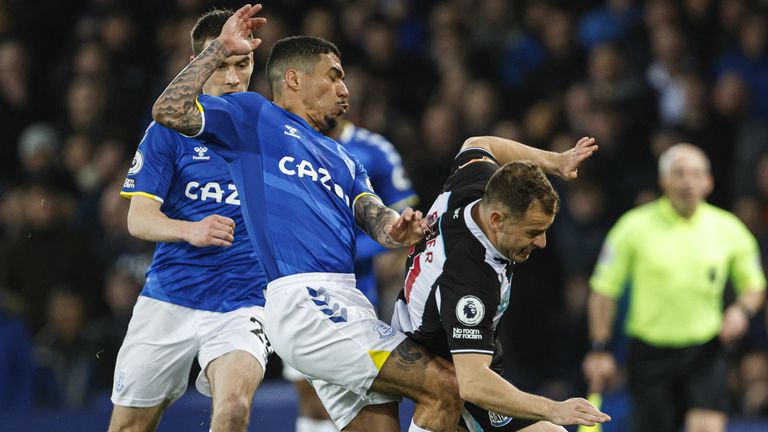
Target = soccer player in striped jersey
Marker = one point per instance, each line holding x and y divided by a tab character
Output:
203	293
302	196
487	219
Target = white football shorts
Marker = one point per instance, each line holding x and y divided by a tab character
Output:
323	326
162	341
291	374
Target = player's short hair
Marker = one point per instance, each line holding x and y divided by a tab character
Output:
518	185
296	52
208	26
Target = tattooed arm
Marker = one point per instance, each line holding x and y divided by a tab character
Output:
175	108
384	224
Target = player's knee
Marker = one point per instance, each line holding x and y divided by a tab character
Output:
233	410
134	419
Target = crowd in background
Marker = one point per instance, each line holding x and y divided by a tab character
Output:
78	79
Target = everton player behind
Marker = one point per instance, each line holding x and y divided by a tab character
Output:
203	294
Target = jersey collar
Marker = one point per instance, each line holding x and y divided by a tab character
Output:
669	212
347	131
480	235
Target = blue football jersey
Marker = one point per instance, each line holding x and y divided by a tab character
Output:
297	186
389	179
192	182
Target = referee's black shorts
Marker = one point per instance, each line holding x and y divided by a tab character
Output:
667	382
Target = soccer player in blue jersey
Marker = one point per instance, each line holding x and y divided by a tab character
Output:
390	181
302	195
203	293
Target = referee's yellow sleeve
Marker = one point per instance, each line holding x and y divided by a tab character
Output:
746	269
613	265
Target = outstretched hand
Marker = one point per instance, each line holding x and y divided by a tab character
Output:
568	161
235	36
409	228
578	411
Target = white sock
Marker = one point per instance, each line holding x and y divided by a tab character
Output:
414	428
306	424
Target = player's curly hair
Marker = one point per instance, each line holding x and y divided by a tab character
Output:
296	52
517	185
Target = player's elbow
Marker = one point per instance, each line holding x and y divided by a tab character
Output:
134	226
468	392
165	113
161	115
477	142
469	389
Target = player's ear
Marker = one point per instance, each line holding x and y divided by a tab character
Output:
497	220
292	79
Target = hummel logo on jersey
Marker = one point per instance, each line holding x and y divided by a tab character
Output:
456	213
291	131
201	153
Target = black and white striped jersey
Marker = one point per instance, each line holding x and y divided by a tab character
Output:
457	285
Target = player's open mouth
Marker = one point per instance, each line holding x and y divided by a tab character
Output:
343	107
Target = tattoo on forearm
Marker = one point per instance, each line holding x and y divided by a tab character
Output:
175	108
373	217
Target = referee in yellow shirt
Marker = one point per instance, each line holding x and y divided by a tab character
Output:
676	253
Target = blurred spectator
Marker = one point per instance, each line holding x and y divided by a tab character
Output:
750	60
65	353
11	216
111	238
752	384
700	21
702	125
670	62
608	23
49	243
610	78
86	107
16	102
481	108
582	226
121	289
578	105
16	365
440	141
38	151
565	62
730	15
524	52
